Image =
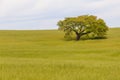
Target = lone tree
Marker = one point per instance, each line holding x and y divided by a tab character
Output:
83	25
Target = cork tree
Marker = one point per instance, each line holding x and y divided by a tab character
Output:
83	25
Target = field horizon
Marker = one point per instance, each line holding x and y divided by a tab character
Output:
45	55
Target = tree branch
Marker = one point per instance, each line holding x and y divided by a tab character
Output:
85	33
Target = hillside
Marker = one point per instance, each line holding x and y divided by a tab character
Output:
45	55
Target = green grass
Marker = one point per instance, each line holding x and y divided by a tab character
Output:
45	55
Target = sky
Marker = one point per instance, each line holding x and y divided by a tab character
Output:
44	14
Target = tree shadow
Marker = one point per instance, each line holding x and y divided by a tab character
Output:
91	38
98	38
84	38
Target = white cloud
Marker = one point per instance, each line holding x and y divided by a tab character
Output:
29	24
15	7
17	12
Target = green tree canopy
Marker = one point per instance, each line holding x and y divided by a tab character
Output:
83	25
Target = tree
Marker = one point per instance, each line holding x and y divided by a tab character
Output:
83	25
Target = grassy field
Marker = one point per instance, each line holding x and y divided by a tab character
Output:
45	55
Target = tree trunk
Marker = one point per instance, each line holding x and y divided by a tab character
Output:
78	37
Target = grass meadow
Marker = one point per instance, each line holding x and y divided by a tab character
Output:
45	55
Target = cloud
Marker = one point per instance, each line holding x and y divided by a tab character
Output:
15	7
29	24
39	13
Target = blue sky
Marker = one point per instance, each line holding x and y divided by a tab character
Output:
44	14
